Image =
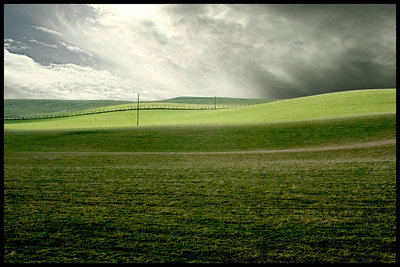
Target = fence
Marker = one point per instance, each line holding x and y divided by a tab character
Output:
51	116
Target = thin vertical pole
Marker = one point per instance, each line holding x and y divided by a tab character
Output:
137	116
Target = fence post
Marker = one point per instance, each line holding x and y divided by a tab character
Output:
137	116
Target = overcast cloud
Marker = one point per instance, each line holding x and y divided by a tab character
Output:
163	51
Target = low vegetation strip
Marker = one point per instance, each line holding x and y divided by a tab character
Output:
91	112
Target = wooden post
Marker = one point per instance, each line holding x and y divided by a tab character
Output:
137	116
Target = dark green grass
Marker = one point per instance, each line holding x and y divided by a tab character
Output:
38	107
336	206
208	138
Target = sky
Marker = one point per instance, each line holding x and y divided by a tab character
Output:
94	52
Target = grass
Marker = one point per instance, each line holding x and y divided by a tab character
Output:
66	202
37	107
208	138
342	104
336	206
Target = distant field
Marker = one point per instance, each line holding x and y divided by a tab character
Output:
219	100
37	107
341	104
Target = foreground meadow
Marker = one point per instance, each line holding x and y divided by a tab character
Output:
88	196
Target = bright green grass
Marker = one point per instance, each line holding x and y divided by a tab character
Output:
341	104
208	138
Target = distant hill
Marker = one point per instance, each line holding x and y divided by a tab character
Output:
38	107
220	100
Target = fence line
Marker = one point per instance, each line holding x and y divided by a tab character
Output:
50	116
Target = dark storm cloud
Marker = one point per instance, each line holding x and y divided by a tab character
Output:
328	47
32	29
365	36
19	18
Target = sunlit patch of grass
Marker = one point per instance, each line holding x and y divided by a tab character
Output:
208	138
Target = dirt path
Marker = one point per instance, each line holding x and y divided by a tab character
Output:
325	148
289	150
306	149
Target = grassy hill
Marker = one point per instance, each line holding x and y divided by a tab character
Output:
324	106
219	100
36	107
207	137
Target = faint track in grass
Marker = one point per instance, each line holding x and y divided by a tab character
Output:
288	150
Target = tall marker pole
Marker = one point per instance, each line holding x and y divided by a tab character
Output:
137	116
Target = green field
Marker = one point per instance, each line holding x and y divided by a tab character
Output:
343	104
37	107
207	186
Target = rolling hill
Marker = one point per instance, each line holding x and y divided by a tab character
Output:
14	108
324	106
219	100
37	107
